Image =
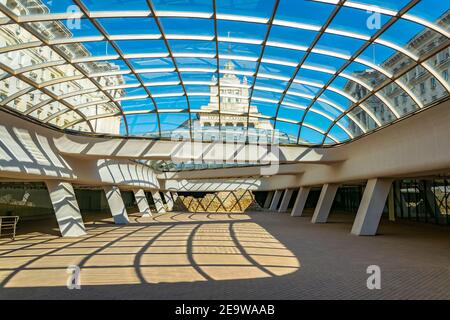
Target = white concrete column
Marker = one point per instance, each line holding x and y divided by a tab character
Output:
324	204
268	200
275	200
116	205
285	201
142	202
158	202
66	208
371	207
169	200
300	201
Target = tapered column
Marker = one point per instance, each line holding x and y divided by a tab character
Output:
116	205
174	196
275	200
142	203
324	204
158	202
169	200
285	201
268	199
66	208
371	207
300	201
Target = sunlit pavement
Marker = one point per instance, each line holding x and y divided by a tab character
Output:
226	256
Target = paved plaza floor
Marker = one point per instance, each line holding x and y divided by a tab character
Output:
261	255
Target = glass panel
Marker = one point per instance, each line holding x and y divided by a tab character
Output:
323	62
82	126
339	134
429	85
316	77
133	26
203	6
434	11
261	130
386	58
329	110
350	126
175	125
115	5
335	45
339	100
287	132
40	76
360	22
263	108
86	98
312	12
48	111
410	35
352	88
399	99
65	29
145	47
281	55
107	125
265	94
291	113
138	105
157	77
317	120
292	36
87	49
201	63
187	26
274	84
28	101
244	30
303	89
70	87
365	74
10	86
381	112
65	119
200	78
60	6
29	57
363	118
168	90
277	70
99	109
192	47
241	49
260	9
172	102
385	4
13	34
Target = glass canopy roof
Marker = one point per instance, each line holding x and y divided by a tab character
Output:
310	72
